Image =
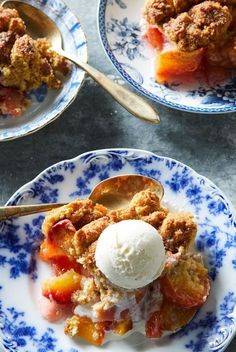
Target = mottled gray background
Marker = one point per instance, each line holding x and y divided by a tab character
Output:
95	121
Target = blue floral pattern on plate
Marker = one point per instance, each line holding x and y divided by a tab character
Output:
121	35
47	104
22	328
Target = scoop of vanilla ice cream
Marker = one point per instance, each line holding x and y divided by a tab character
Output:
130	253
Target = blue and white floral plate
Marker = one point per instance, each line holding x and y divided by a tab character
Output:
48	104
121	35
23	329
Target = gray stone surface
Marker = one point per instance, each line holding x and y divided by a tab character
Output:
94	121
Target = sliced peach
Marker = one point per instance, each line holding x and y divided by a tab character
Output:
155	37
106	315
170	317
186	284
173	317
85	328
13	101
170	64
51	253
52	311
60	288
122	326
62	234
153	326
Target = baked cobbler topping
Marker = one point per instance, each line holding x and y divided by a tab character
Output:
25	63
190	36
97	309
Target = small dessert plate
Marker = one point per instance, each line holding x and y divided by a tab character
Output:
22	328
122	38
47	104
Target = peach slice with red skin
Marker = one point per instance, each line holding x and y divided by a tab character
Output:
62	234
52	311
51	253
186	284
12	101
153	326
170	64
55	249
60	288
170	317
155	38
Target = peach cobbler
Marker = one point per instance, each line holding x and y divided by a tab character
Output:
191	35
25	64
121	271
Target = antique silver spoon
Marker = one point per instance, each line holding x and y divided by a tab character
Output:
40	25
114	193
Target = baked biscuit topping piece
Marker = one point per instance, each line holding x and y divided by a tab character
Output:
145	206
158	11
10	21
11	27
26	63
224	55
7	40
89	233
80	212
28	67
203	24
178	230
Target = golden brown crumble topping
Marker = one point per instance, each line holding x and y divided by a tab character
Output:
157	12
203	24
178	230
89	233
88	292
80	212
89	220
109	295
26	64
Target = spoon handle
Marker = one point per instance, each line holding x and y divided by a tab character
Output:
9	212
130	101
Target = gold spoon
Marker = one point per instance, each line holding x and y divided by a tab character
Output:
114	193
40	25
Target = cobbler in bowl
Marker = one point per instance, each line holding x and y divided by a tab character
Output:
116	272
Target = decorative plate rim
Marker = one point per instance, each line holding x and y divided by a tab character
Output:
101	15
142	153
41	124
137	150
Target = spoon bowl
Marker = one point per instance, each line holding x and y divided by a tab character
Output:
117	192
38	24
114	193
